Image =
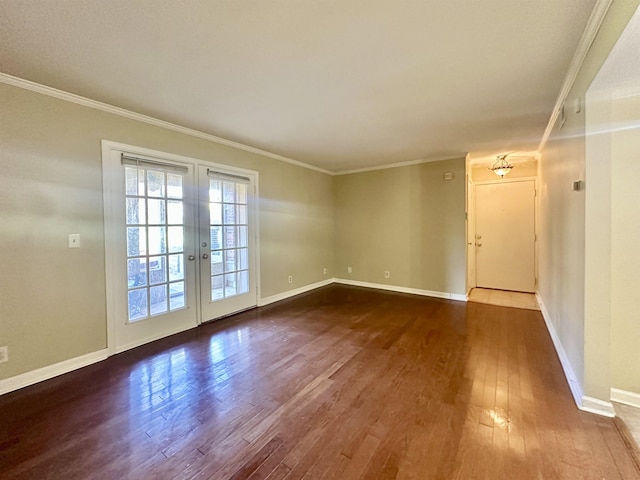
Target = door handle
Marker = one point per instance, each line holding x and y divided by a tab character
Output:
191	258
479	244
205	256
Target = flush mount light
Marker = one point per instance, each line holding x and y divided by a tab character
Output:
501	167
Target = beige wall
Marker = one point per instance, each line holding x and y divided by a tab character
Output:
568	244
405	220
625	241
52	299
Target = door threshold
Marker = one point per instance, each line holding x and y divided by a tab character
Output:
504	298
229	315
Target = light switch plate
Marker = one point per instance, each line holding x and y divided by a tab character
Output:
74	240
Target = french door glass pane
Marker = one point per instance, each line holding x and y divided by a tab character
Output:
176	267
136	241
176	295
176	239
135	211
174	212
228	226
158	295
155	242
137	272
174	186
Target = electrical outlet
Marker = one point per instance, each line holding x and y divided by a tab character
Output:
4	354
349	270
324	271
387	274
290	278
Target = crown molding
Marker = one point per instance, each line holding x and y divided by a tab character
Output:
588	36
401	164
87	102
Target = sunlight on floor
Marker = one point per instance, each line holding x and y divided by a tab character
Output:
504	298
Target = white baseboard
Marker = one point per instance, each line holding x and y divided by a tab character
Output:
583	402
394	288
45	373
594	405
572	379
628	398
292	293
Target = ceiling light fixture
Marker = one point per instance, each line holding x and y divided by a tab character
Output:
501	167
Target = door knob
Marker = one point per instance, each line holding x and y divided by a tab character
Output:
479	244
191	257
205	256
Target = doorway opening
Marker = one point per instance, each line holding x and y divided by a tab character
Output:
501	233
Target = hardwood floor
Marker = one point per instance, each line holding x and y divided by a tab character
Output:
339	383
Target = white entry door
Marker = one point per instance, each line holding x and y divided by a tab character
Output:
227	242
179	244
505	235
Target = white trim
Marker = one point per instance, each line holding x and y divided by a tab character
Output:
588	36
599	407
50	371
400	164
572	379
583	402
628	398
395	288
505	180
292	293
86	102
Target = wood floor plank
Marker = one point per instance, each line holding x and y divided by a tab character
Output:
339	383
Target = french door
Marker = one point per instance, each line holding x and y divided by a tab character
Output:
180	244
227	245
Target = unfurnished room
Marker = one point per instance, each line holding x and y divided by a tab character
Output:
310	239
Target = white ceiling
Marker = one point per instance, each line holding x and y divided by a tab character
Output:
336	84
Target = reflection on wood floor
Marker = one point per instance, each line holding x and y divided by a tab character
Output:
339	383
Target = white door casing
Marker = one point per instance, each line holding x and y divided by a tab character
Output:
471	225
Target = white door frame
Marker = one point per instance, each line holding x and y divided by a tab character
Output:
110	180
471	227
470	233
